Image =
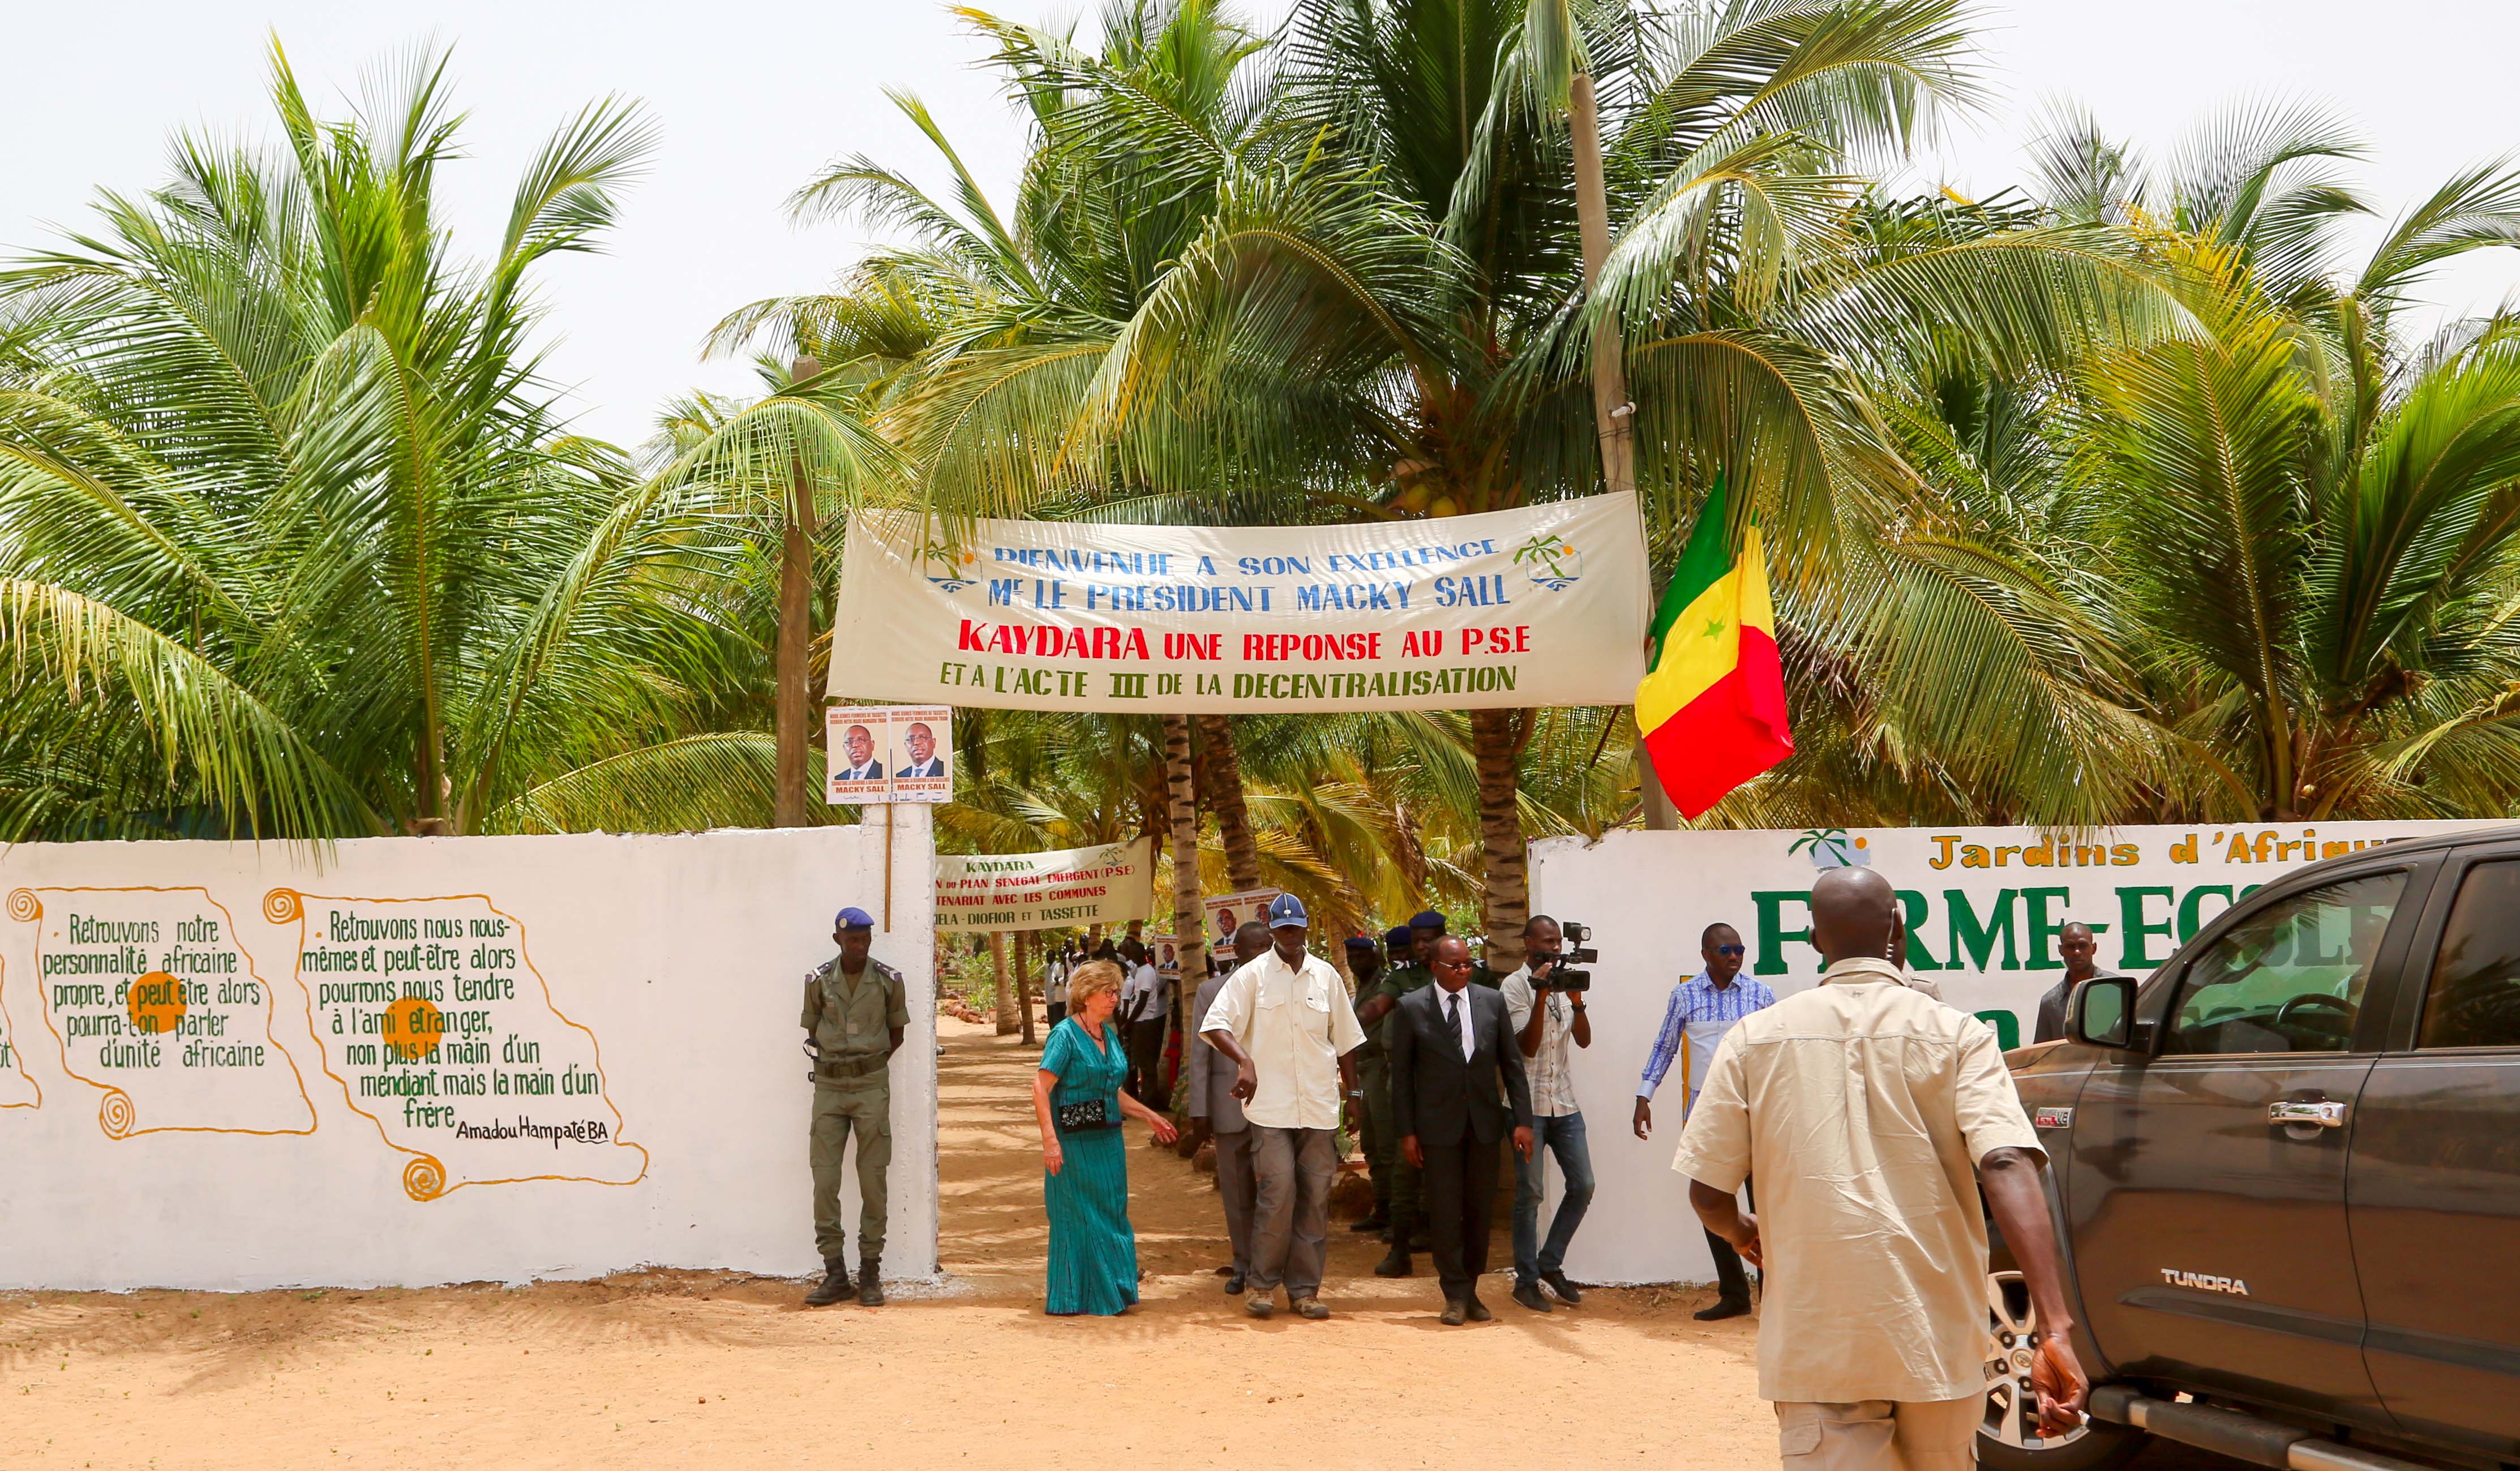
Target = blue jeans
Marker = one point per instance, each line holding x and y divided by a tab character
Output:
1563	1138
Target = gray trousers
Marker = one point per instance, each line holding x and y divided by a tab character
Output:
1236	1182
1290	1222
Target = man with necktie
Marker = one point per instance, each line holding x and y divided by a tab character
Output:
1457	1085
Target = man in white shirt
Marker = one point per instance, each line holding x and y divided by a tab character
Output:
1876	1121
1144	1002
1286	1021
1548	1024
1055	993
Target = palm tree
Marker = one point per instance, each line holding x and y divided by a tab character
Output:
1382	314
2258	573
292	539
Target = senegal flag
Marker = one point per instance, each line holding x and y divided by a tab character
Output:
1712	707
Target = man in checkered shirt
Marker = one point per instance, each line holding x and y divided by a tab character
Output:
1546	1020
1701	1009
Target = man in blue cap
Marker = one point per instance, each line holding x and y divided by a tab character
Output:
855	1010
1286	1022
1408	1216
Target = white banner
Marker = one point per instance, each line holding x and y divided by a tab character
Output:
1108	884
1983	906
1544	605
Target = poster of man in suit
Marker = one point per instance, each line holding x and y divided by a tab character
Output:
1226	914
923	762
858	754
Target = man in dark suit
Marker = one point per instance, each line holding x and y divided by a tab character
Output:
1455	1070
924	760
859	743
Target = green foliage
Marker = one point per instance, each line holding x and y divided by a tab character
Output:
291	541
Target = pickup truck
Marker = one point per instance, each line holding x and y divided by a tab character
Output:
2285	1177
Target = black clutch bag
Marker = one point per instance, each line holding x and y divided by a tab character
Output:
1076	1118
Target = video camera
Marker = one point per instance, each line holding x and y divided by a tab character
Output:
1574	954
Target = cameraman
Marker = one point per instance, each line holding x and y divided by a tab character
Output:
1544	1018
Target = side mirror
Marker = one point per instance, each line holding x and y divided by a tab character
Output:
2101	1012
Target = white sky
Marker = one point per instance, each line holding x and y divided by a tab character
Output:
751	98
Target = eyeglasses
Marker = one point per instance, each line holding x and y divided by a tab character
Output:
1727	949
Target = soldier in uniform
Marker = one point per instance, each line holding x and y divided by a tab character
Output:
1364	962
855	1010
1408	1220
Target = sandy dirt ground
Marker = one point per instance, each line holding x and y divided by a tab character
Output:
728	1370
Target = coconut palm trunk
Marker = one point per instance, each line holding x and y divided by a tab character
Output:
1224	766
1190	926
1023	985
1496	744
1008	1023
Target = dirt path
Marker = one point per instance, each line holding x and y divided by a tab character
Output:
720	1370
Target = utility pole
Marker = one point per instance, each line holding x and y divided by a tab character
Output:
1613	416
795	634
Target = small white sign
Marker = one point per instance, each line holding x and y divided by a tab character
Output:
858	754
923	753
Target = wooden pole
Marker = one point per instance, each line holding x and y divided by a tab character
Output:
794	701
1613	416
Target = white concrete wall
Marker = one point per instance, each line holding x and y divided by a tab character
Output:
1650	895
674	970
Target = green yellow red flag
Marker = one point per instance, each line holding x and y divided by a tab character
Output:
1712	707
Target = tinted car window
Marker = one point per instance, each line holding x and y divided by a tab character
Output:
2474	998
2291	977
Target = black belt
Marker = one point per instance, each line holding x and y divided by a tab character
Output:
842	1069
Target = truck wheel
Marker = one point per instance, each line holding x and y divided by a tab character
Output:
2007	1439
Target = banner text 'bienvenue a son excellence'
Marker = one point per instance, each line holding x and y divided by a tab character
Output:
1538	606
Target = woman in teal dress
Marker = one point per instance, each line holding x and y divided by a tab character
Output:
1076	1097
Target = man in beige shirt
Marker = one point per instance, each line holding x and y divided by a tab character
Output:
1871	1116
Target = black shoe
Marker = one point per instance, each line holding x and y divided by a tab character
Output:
1725	1306
1530	1296
1234	1285
1395	1263
870	1282
835	1286
1379	1220
1227	1270
1565	1289
1478	1311
1453	1312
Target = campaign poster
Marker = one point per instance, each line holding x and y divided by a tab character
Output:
1227	913
923	753
858	754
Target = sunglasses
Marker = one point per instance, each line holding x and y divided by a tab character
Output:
1727	949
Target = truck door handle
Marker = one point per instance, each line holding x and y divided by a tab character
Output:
2302	1111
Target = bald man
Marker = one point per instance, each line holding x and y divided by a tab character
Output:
1882	1127
2080	950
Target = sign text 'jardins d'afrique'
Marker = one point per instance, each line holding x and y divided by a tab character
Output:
1538	606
